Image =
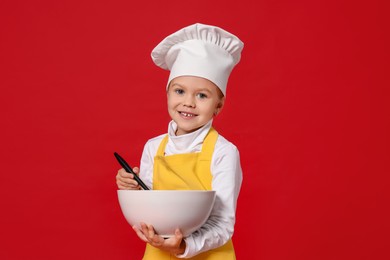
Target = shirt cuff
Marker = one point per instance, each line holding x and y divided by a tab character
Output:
187	251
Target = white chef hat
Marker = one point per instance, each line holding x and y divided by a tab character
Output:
199	50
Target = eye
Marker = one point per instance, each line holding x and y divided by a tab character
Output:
201	95
179	91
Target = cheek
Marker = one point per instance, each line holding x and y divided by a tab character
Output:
170	101
209	109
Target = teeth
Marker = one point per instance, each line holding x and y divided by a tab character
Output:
188	115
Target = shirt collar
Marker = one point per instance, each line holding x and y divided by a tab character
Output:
186	143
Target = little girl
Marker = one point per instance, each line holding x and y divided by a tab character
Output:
192	155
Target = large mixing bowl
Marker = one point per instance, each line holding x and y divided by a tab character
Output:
167	210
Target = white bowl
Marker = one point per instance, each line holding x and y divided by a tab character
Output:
167	210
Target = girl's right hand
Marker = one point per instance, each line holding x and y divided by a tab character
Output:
126	181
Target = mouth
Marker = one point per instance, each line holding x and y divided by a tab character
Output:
187	114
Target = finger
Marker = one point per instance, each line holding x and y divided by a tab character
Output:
124	174
140	234
157	241
136	170
178	234
127	186
151	231
118	177
128	178
145	230
154	238
128	181
121	187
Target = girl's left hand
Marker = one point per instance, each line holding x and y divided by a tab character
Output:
175	245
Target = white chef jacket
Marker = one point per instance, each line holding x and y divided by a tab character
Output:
226	181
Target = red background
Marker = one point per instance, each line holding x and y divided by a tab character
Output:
307	107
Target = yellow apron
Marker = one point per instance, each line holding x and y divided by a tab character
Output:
190	171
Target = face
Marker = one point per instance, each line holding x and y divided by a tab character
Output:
192	102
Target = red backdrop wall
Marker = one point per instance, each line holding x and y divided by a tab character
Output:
307	107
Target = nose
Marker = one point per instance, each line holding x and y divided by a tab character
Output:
189	101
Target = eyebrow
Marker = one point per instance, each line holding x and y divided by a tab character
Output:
201	89
177	84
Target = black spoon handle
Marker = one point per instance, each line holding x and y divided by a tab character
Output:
128	169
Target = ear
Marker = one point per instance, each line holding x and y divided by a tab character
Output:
219	106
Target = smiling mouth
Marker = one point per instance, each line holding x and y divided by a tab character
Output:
187	115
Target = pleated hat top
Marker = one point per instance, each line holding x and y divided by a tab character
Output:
199	50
